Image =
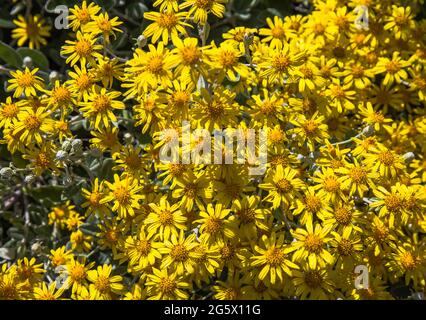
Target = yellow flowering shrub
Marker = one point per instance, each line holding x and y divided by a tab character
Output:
91	211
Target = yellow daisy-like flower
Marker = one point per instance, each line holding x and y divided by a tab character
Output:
34	30
80	16
31	124
165	286
167	24
83	49
102	24
26	82
199	9
271	259
311	244
9	111
44	292
104	283
283	187
125	196
166	219
100	106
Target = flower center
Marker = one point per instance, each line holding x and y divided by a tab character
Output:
313	203
155	65
227	58
190	55
331	184
167	285
83	48
386	157
310	127
203	4
43	160
357	174
77	273
167	20
345	247
213	225
101	103
278	32
32	122
122	195
313	279
343	215
313	243
392	66
26	80
408	261
283	185
165	217
246	215
274	256
61	94
143	247
281	62
102	283
393	202
179	253
10	110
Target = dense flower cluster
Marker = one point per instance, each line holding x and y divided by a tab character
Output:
343	103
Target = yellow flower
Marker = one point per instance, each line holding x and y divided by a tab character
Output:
9	111
80	16
271	259
311	244
31	124
165	218
103	282
283	187
124	193
102	24
166	24
25	83
100	106
216	223
165	286
199	9
44	292
83	49
179	253
277	34
34	30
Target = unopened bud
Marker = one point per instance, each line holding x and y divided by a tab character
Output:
29	179
66	145
368	131
76	145
61	155
53	76
27	62
128	138
408	157
36	247
142	40
6	173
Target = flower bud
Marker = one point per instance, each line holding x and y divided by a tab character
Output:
29	179
128	138
6	173
368	131
408	157
76	145
27	62
142	40
53	76
61	155
66	145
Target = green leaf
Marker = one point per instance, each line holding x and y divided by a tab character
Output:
38	57
6	24
51	194
9	55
